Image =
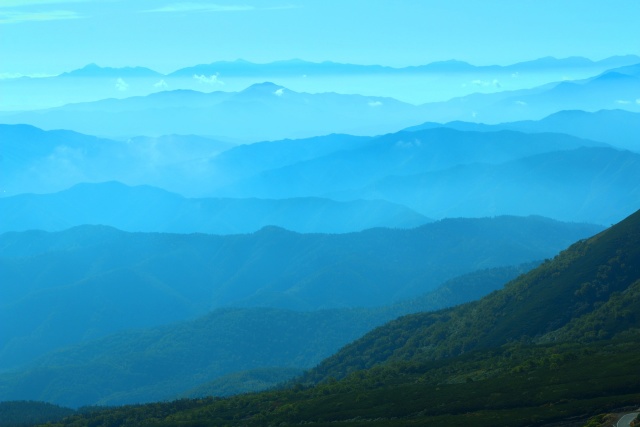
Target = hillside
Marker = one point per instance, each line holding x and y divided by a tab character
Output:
586	293
229	350
488	363
65	287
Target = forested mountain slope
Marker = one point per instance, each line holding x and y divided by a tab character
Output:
587	292
558	344
231	349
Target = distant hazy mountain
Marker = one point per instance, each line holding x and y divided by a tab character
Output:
609	90
34	160
275	112
147	209
440	80
259	112
37	161
401	153
93	70
594	184
618	128
300	67
91	281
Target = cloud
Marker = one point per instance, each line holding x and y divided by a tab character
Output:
375	104
202	7
638	101
487	83
211	80
17	17
23	3
5	76
623	102
408	144
279	92
121	85
161	84
522	103
213	7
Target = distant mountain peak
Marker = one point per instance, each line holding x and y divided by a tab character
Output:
95	70
265	88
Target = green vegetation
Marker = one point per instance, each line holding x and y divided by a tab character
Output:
150	364
27	413
500	361
515	385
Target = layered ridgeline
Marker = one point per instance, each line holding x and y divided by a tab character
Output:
437	172
258	112
440	80
150	209
228	351
618	128
65	287
558	342
299	107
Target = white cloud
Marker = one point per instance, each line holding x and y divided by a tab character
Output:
17	17
375	104
22	3
121	85
213	7
4	76
521	103
279	92
474	114
515	75
161	84
623	102
638	101
409	144
487	83
211	80
202	7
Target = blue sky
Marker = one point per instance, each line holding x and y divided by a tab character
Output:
49	36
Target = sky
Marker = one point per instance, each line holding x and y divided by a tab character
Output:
47	37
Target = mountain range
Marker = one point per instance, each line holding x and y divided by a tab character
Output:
523	355
434	171
86	282
150	209
445	78
618	128
276	112
259	112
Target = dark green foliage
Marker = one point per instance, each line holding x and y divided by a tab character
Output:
515	386
27	413
244	382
